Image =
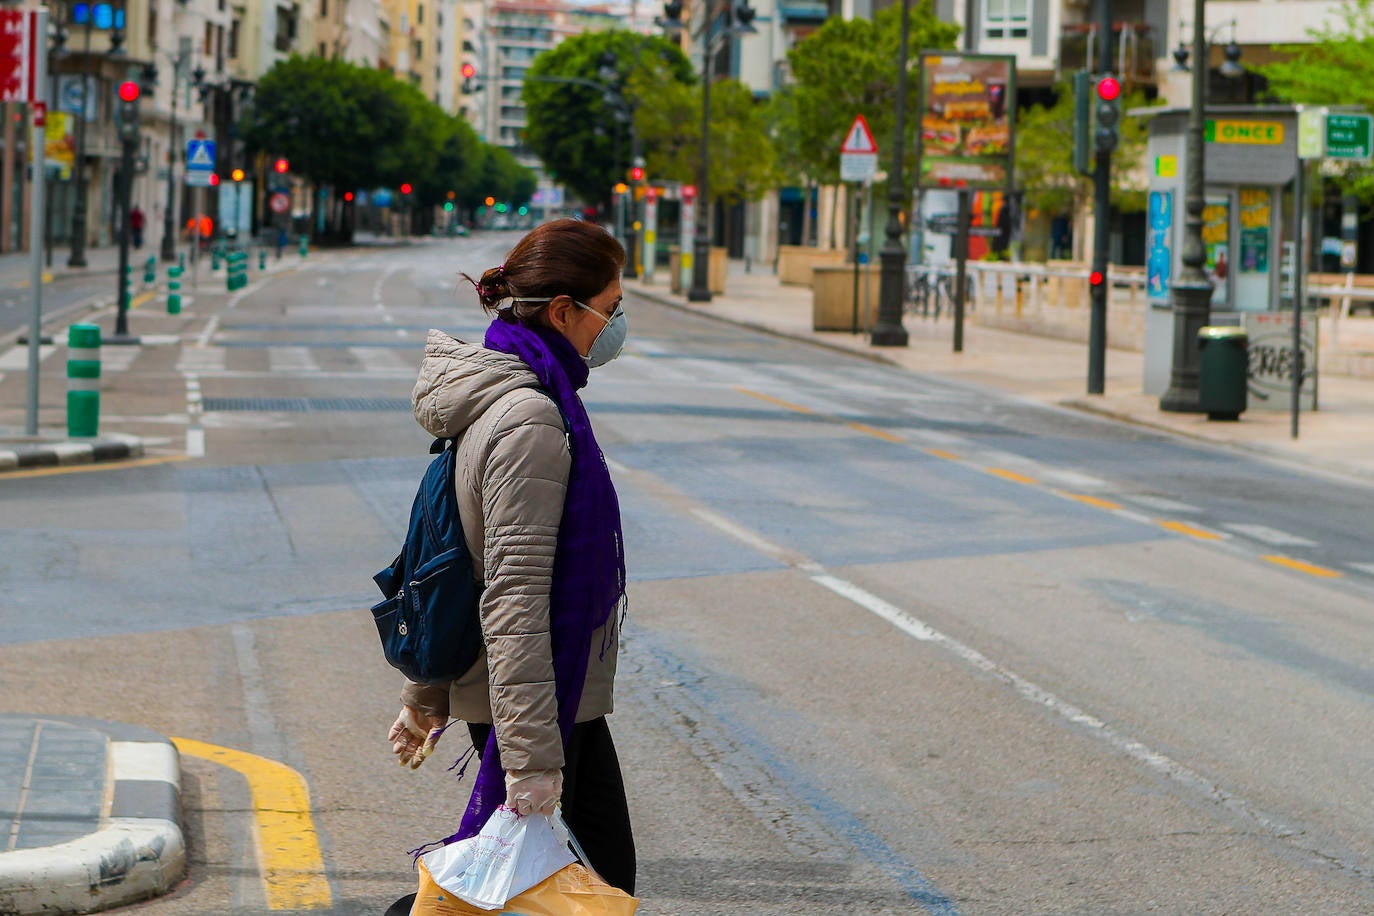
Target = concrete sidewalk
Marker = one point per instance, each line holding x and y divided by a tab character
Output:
15	266
1338	437
90	815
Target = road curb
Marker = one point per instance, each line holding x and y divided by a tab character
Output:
138	851
60	453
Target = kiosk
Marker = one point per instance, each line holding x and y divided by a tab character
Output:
1248	218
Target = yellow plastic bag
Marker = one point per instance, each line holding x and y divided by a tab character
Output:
570	891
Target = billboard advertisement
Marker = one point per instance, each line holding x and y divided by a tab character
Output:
968	105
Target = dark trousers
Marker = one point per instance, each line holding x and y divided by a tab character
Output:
594	803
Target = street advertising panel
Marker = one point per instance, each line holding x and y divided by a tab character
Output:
967	107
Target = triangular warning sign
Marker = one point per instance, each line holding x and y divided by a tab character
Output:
859	139
200	155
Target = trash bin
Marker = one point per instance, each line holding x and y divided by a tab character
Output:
1223	371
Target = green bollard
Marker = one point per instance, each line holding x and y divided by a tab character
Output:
181	260
214	258
262	259
150	271
174	291
83	380
305	244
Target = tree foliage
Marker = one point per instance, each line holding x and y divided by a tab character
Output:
1335	68
351	127
581	129
1044	157
846	68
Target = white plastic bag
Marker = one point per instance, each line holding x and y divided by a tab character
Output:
511	855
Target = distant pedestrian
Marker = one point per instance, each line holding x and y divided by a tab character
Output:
136	223
542	522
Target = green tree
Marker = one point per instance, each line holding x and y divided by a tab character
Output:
1044	157
1335	68
580	130
847	68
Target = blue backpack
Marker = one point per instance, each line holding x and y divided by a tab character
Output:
429	623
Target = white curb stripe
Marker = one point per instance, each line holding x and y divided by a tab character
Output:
145	760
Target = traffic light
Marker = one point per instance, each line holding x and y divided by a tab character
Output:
1096	279
237	174
1083	122
448	206
469	71
214	180
128	110
406	188
637	174
490	201
1107	114
621	187
281	166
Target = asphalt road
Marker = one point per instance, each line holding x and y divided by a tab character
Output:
894	645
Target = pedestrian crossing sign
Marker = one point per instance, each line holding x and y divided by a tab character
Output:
200	155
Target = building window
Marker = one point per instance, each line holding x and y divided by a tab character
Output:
420	14
234	39
324	9
1005	19
419	49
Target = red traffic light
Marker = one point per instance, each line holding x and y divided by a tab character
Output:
348	195
214	180
469	71
1108	89
128	91
281	166
406	188
636	174
1095	278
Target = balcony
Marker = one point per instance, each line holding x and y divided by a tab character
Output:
1133	57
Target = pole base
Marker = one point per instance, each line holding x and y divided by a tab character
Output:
888	336
121	340
698	295
1180	401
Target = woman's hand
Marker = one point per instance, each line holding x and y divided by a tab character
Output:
533	791
413	736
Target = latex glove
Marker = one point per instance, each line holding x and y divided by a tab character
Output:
413	736
533	791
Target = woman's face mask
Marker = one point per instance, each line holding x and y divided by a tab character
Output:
611	340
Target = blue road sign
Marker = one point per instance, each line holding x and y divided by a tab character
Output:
200	155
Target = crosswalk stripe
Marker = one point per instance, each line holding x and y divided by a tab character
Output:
291	359
18	358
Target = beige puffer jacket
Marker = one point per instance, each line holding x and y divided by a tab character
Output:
512	472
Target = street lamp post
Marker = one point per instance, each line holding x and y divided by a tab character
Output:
887	330
169	248
738	19
1192	292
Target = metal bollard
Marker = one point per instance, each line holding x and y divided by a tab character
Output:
83	380
174	291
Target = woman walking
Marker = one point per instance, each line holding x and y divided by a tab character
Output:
542	521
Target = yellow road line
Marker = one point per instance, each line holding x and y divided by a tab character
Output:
1011	475
288	846
1184	528
94	466
941	453
1093	501
141	298
1309	568
874	431
772	400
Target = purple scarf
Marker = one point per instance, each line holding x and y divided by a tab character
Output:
589	560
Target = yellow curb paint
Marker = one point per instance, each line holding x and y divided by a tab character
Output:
772	400
1093	501
941	453
88	468
288	846
141	298
1183	528
1309	568
1011	475
874	431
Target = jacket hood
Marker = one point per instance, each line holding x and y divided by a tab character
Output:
459	381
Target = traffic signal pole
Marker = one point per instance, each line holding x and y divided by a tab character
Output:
1102	193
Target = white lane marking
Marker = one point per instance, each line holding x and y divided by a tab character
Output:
1271	536
291	359
1158	503
18	358
208	332
1027	690
1076	480
1364	567
195	432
